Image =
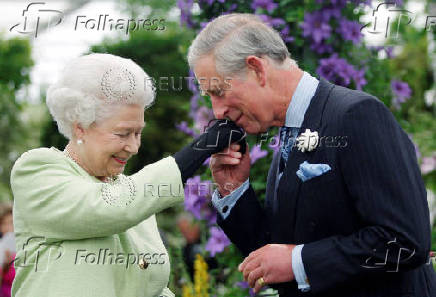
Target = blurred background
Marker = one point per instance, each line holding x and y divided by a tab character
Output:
385	48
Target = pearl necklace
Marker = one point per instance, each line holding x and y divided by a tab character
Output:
108	179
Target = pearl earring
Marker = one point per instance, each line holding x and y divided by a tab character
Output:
79	141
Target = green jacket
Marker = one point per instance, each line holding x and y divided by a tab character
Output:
79	237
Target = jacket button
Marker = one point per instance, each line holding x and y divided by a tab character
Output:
142	264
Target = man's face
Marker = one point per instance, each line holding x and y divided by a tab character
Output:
244	101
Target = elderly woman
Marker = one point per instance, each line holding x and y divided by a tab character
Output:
82	227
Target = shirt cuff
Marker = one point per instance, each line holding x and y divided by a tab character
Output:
298	268
224	205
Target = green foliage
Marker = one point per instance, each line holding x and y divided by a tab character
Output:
15	65
155	8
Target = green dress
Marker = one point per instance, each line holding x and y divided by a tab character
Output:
79	237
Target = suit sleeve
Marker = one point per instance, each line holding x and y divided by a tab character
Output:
381	174
246	225
58	204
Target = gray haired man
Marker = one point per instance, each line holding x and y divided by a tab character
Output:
345	219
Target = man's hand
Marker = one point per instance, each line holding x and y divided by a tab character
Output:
230	168
273	262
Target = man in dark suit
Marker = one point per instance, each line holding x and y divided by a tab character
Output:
346	211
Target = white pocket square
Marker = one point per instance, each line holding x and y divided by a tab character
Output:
308	171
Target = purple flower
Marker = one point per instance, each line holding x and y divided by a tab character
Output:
197	195
338	71
210	2
244	285
285	33
202	118
194	105
210	216
376	48
274	143
401	92
273	22
316	26
359	78
389	51
194	204
233	7
340	3
192	86
428	164
256	153
321	48
204	24
331	12
217	241
183	126
185	12
350	30
265	4
206	162
327	67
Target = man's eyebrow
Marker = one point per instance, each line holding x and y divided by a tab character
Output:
212	90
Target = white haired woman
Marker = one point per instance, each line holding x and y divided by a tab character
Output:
82	227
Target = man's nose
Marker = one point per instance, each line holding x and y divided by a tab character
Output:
219	108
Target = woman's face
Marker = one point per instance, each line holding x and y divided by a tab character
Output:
107	145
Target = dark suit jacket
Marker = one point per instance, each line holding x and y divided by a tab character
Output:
365	223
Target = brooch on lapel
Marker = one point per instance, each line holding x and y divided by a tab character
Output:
307	141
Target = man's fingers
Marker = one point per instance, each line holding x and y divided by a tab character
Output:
230	149
219	160
258	287
235	147
250	266
254	275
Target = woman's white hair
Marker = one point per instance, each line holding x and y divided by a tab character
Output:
233	37
91	87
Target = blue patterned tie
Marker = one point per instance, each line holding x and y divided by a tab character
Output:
287	138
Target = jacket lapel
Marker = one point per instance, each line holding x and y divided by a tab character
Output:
289	185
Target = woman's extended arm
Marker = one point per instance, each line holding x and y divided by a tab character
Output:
56	202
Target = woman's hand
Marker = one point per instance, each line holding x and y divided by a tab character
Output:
216	138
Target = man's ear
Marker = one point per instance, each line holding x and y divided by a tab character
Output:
257	65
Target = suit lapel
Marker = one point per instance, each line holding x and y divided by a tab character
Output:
289	185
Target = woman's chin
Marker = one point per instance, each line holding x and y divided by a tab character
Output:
116	171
